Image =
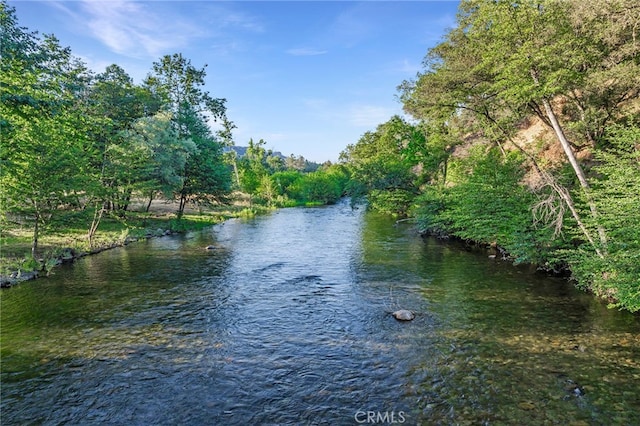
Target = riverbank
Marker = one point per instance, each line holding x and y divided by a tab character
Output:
65	240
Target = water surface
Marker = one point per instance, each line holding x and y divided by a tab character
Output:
287	321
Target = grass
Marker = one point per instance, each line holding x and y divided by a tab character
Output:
67	231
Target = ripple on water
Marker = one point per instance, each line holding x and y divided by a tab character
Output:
288	322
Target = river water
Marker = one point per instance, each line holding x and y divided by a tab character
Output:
287	321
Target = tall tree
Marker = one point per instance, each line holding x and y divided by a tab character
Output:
506	60
155	155
253	166
384	165
116	103
42	121
179	84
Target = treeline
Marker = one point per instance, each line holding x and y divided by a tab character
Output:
73	140
526	138
285	182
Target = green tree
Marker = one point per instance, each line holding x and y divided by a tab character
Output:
295	163
160	153
571	64
179	84
506	60
384	165
321	186
42	121
207	178
253	167
285	183
117	104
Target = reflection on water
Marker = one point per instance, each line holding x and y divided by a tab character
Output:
287	321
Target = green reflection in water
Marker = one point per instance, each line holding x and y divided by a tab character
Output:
519	347
92	310
506	346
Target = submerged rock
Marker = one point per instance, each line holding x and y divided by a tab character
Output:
403	315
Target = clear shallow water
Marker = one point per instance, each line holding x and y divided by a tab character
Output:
288	321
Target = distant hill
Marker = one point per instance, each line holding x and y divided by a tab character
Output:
302	163
241	151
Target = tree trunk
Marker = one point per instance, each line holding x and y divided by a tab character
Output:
97	216
36	230
235	170
150	201
562	192
566	146
181	206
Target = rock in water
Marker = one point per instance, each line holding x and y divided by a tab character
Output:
403	315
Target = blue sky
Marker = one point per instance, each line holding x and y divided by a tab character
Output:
307	77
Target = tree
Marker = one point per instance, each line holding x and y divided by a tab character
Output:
117	104
574	66
160	153
225	136
42	121
253	167
295	163
384	165
179	85
506	60
616	189
207	178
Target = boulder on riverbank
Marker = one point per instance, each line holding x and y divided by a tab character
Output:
7	281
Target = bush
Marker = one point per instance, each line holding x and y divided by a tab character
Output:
615	188
487	205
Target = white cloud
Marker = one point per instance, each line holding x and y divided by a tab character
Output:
150	30
306	51
135	29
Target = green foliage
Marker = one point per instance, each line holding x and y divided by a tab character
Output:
616	190
285	183
320	187
117	153
487	205
383	165
73	140
573	65
253	167
264	175
161	155
394	202
291	187
43	125
207	178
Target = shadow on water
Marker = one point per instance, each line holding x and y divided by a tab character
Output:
287	321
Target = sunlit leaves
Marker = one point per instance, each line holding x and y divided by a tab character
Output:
616	185
44	128
179	84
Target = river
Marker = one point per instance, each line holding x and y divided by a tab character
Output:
287	321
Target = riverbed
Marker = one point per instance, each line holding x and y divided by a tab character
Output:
287	320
